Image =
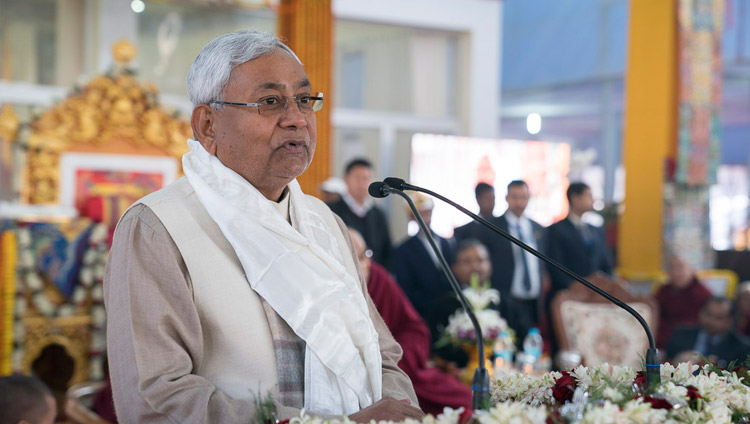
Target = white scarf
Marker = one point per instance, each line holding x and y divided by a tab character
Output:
302	276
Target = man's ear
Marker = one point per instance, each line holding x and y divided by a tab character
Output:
203	122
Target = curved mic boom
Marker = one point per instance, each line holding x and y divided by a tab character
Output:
653	376
481	381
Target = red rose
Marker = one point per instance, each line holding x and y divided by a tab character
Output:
466	416
564	388
657	403
693	393
640	380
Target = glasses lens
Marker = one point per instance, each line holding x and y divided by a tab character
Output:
275	105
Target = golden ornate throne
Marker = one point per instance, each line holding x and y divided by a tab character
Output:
51	326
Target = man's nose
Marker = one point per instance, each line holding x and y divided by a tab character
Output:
293	115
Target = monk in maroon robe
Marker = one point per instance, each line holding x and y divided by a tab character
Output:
680	299
435	389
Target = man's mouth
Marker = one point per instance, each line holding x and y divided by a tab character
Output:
295	146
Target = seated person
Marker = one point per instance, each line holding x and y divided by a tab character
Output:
680	299
26	400
742	306
714	337
417	268
435	390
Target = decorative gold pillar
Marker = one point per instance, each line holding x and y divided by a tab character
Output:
307	26
649	135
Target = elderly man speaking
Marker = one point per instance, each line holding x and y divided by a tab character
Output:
231	284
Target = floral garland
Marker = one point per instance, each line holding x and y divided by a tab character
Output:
461	330
88	294
606	395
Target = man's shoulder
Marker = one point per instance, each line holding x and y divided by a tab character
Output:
174	192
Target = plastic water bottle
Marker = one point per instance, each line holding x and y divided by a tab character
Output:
533	343
502	353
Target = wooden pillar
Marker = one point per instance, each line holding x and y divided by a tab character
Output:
650	133
307	26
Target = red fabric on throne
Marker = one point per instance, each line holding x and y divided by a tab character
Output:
435	389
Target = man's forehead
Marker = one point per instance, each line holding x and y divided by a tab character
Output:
280	85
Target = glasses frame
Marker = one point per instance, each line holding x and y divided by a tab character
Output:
317	103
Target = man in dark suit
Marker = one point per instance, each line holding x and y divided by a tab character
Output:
358	211
575	244
713	338
417	268
518	272
494	243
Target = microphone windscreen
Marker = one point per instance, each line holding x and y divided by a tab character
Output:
378	190
394	182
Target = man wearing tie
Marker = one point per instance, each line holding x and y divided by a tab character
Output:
519	272
575	244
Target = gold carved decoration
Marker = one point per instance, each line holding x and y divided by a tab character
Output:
112	113
72	333
9	123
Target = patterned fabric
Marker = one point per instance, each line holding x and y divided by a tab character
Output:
290	360
59	249
605	333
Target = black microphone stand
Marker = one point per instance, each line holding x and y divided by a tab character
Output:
653	376
481	382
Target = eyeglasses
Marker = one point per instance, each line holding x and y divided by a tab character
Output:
276	105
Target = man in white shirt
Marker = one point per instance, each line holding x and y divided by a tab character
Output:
358	211
519	272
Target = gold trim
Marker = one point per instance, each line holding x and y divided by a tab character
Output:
8	261
72	333
110	114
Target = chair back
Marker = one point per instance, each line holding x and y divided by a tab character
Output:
599	330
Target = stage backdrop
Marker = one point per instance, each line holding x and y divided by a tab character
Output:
453	166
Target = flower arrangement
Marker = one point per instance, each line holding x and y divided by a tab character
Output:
481	297
607	394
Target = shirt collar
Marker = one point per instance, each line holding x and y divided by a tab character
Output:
358	209
575	219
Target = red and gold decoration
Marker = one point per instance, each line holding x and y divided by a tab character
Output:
113	113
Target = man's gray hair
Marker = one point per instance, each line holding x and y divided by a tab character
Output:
211	69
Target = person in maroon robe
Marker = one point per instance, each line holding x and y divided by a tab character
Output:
680	299
435	389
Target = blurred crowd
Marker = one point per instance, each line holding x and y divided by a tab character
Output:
693	324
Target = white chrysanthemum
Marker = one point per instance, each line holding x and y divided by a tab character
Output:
24	237
89	257
481	299
99	233
99	316
66	310
99	271
97	293
515	413
26	259
86	276
612	394
637	412
608	413
33	282
79	295
42	304
490	321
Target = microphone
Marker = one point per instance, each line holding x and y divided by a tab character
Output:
653	376
481	382
379	190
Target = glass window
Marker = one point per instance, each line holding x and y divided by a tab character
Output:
32	32
170	36
397	69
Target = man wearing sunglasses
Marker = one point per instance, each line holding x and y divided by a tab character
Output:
231	284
